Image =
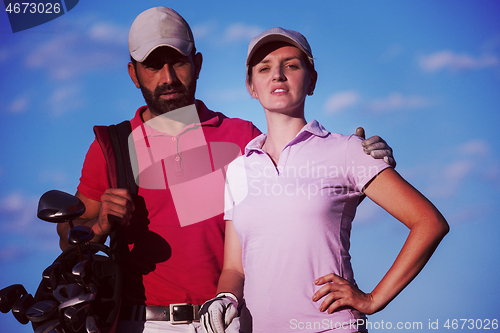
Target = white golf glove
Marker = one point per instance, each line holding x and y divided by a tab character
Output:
217	313
376	147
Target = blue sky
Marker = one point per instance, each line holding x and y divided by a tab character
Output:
424	75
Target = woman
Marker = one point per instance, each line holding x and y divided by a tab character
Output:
289	207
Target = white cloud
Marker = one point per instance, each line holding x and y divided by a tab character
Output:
456	62
200	31
19	223
58	57
19	105
463	169
107	32
12	203
49	51
69	55
12	253
466	214
397	101
65	99
54	177
18	212
444	181
393	102
241	32
340	101
475	147
458	170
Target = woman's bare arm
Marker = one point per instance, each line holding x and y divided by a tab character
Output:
427	229
232	277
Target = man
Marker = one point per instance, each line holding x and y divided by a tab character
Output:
173	226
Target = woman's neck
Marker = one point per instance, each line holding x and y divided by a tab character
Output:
281	129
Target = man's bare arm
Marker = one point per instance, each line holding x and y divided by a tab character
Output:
117	202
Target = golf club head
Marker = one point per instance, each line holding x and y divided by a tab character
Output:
84	298
52	275
82	272
80	234
41	311
53	326
65	292
57	206
75	317
91	325
9	295
21	306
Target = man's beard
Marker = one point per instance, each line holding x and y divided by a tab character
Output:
158	106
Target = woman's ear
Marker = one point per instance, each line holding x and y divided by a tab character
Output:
251	90
312	85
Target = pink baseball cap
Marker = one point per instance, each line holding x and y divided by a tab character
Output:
280	35
159	26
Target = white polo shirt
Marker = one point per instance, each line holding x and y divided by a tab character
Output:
294	221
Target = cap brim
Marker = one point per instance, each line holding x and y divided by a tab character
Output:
183	47
276	37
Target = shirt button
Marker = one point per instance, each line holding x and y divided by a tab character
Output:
174	138
177	158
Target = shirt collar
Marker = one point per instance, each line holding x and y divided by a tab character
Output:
207	118
311	128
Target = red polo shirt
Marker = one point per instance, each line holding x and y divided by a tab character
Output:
176	237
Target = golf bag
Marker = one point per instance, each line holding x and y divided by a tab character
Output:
81	290
103	279
106	276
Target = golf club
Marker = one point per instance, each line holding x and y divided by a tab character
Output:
9	295
79	235
53	326
84	298
82	272
74	311
65	292
52	275
91	325
66	297
21	306
41	311
75	317
57	207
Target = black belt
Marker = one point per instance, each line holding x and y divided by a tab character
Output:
177	313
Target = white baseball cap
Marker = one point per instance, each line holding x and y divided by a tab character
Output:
159	26
279	35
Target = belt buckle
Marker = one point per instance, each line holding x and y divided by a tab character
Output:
174	308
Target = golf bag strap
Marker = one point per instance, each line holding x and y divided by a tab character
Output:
113	141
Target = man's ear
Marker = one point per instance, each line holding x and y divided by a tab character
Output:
133	74
198	61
